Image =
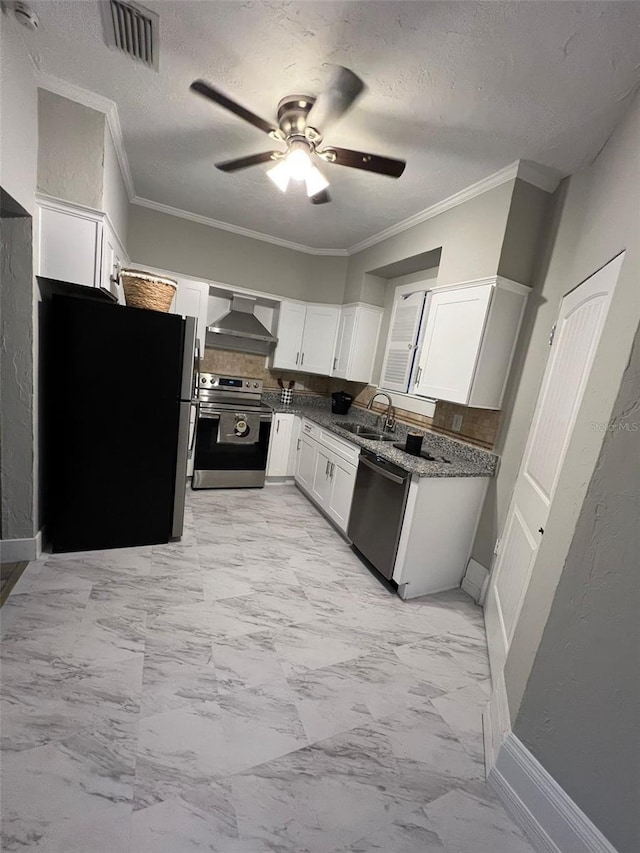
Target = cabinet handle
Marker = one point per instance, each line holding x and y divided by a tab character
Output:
335	363
326	470
331	470
302	360
297	357
418	376
298	445
277	426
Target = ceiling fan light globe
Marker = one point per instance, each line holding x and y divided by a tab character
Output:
280	175
299	164
315	182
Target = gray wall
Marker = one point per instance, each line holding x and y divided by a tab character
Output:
471	237
16	377
18	164
18	108
603	208
115	201
176	244
70	150
581	707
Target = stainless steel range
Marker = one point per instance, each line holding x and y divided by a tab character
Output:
232	433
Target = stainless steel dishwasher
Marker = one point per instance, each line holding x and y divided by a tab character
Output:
377	510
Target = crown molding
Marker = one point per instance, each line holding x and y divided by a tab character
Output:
543	177
533	173
102	105
234	229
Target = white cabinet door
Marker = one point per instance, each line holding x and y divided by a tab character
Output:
280	445
321	486
192	300
453	333
113	260
70	245
288	351
305	468
318	342
344	342
342	479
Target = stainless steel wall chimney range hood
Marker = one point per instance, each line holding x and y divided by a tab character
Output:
240	329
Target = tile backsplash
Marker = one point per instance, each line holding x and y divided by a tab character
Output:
479	426
254	366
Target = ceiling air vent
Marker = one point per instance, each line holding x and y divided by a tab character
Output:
133	30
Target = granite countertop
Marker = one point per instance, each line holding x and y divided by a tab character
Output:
465	460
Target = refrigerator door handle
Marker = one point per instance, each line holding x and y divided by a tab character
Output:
188	359
179	497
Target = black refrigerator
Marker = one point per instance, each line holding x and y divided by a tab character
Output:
118	383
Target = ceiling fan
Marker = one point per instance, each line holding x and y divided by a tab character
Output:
302	123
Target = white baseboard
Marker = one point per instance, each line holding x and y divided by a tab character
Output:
18	550
540	806
475	580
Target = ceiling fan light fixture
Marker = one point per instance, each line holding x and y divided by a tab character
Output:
315	181
280	175
299	164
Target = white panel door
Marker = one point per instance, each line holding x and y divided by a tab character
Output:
318	341
582	316
451	344
344	342
306	465
342	478
288	350
401	341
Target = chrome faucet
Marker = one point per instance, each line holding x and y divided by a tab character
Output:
390	417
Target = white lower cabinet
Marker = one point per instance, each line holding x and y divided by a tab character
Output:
279	461
326	471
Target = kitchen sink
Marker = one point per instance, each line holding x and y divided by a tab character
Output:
365	431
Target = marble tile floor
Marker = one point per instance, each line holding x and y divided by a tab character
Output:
250	689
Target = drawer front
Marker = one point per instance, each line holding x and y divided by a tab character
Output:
310	429
344	449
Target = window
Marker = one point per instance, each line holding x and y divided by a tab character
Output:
401	354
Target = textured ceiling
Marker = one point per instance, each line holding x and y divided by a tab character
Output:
458	89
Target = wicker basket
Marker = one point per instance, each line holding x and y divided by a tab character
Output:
147	290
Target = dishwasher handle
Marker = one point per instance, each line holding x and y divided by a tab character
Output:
383	473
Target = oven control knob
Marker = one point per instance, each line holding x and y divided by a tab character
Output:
248	384
255	384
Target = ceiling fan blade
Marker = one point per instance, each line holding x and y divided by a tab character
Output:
320	198
217	97
344	89
360	160
243	162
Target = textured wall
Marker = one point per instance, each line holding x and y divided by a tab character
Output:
609	215
16	378
471	237
581	707
70	150
18	108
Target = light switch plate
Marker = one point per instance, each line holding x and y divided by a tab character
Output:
456	424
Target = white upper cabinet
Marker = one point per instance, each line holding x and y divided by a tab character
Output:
406	315
70	243
306	337
319	338
192	300
469	337
290	330
357	342
114	258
